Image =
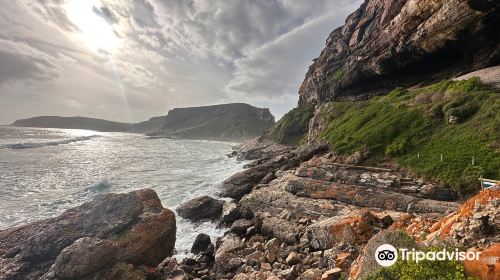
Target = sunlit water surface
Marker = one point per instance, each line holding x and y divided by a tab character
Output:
46	171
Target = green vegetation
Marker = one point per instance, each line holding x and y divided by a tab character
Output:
292	127
338	74
426	269
412	128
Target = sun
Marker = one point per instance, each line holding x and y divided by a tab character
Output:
94	31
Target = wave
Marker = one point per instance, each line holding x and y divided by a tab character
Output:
49	143
101	185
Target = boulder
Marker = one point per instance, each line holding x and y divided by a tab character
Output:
230	212
240	226
488	265
91	239
332	274
311	274
366	263
355	229
201	243
283	230
201	208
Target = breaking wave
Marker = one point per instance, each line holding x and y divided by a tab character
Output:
49	143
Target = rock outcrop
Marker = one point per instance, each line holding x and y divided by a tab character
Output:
96	240
392	43
201	208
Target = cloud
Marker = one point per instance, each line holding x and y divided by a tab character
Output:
170	53
21	62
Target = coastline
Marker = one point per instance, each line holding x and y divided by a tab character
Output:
274	230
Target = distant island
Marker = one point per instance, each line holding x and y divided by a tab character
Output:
235	121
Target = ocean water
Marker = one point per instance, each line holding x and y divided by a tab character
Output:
46	171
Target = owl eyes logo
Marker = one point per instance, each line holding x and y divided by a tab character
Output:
386	255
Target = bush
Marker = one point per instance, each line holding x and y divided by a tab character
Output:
397	147
463	112
293	126
426	269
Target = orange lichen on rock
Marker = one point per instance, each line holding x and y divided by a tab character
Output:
488	265
443	227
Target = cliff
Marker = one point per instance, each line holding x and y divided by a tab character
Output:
227	121
235	121
385	44
389	85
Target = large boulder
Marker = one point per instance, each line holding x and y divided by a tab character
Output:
354	229
89	240
200	208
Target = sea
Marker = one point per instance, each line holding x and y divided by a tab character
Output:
45	171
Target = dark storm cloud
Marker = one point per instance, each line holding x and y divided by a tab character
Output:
170	53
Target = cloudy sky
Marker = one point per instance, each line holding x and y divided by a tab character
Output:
133	59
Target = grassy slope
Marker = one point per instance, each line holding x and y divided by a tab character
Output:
293	126
404	123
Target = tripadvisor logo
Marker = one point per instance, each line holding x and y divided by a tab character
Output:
387	255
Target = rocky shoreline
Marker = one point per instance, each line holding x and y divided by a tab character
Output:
295	213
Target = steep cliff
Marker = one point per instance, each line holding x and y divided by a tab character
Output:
218	122
392	43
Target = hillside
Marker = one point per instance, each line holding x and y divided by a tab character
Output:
381	91
228	121
73	123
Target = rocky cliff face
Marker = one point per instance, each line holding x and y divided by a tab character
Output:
392	43
218	122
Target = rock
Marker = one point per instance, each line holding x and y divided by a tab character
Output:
200	208
385	44
113	228
243	182
290	273
283	230
371	197
266	266
230	243
306	152
201	243
167	265
355	229
268	178
475	223
240	226
453	120
366	263
332	274
85	256
488	265
344	260
311	274
293	258
230	212
256	275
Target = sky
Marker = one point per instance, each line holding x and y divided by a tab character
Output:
131	60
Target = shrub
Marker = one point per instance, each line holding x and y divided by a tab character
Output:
397	147
293	126
463	112
426	269
338	74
